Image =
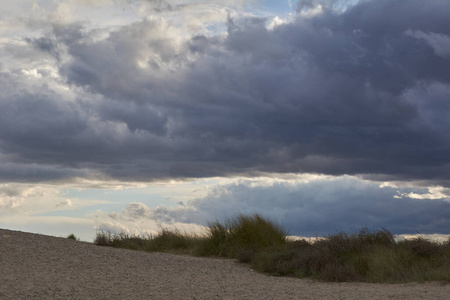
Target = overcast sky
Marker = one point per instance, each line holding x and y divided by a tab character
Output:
133	115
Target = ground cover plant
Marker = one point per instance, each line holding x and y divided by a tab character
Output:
72	237
365	255
241	236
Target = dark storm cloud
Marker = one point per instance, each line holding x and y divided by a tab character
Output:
314	208
322	207
360	91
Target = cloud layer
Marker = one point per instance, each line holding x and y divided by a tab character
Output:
358	91
305	207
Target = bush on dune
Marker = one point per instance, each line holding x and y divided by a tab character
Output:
173	241
242	236
120	241
72	237
367	256
364	256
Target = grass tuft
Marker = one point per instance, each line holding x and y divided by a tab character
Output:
366	256
363	256
242	237
72	237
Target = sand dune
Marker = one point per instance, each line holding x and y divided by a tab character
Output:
43	267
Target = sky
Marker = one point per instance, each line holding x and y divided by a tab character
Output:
138	115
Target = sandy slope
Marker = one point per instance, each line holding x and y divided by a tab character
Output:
43	267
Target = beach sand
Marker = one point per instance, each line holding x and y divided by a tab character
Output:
36	266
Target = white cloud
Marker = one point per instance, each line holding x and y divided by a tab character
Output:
276	21
61	208
62	13
32	203
138	219
440	238
433	193
33	73
312	12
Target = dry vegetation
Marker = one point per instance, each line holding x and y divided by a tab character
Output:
366	256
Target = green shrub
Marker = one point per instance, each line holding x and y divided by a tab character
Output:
243	235
423	247
72	237
362	256
173	241
272	262
387	265
344	245
102	239
121	241
245	255
369	256
336	272
300	260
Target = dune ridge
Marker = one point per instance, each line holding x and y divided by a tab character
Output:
36	266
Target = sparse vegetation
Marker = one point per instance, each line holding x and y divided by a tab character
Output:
366	256
172	241
242	236
72	237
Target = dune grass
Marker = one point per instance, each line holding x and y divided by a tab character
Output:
241	236
365	256
72	237
224	239
172	241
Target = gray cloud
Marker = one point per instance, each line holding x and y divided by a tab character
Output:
439	42
317	207
322	206
361	91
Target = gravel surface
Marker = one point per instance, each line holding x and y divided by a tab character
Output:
36	266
